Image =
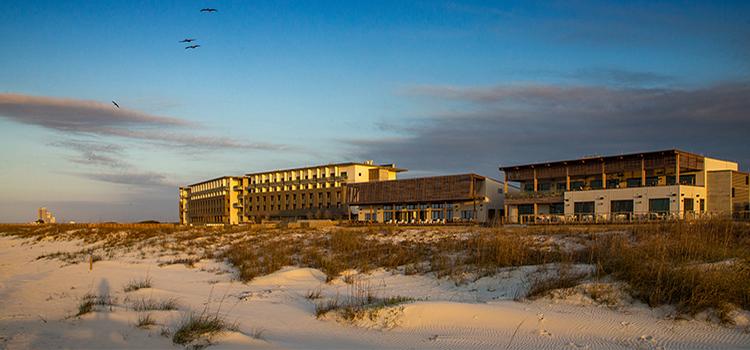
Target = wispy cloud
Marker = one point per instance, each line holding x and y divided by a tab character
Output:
143	179
94	153
103	119
508	124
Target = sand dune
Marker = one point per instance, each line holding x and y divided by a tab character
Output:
38	299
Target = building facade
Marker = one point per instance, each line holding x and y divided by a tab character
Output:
216	201
315	192
45	216
439	199
630	187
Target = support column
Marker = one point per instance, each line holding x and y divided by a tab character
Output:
536	211
567	178
677	181
535	181
604	176
643	172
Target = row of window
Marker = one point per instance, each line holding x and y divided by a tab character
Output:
578	185
655	205
294	187
294	178
294	206
302	197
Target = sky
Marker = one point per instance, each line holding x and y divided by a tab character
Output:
437	87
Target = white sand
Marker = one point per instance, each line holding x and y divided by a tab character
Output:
37	298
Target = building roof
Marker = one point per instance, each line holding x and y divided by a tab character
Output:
600	158
391	167
216	178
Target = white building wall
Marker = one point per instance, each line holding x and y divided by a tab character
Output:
639	195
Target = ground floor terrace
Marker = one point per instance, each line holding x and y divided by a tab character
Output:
609	205
427	213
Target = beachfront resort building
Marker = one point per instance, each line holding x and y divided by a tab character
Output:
314	192
216	201
628	187
439	199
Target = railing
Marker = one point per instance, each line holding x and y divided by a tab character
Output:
539	194
619	217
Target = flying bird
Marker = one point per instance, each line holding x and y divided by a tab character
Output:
192	47
187	40
115	103
209	10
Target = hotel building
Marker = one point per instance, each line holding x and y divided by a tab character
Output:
216	201
439	199
629	187
315	192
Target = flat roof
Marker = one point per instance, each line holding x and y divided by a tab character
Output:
216	178
391	167
600	158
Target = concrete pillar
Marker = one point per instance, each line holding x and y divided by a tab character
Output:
567	178
535	181
643	171
604	176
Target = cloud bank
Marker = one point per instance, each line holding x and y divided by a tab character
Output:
480	128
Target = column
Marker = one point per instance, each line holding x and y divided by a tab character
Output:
643	171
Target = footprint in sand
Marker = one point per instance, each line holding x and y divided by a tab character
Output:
578	346
545	333
432	337
624	323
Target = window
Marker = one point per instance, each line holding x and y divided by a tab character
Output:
526	209
576	185
388	216
343	174
528	187
622	206
583	208
732	192
596	184
557	208
613	183
437	215
467	214
652	181
544	186
658	205
561	186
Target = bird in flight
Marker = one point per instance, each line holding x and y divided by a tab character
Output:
115	103
192	47
187	40
209	10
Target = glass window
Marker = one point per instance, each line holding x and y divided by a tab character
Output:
652	181
576	185
687	180
526	209
557	208
561	186
658	205
613	183
544	186
583	208
634	182
622	206
596	184
528	186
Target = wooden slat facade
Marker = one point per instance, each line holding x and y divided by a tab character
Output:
437	189
610	164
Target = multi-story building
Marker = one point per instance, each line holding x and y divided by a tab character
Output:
183	206
439	199
315	192
45	216
217	201
661	184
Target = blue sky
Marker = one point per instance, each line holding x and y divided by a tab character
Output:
434	86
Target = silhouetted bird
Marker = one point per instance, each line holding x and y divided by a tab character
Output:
209	10
187	40
115	103
192	47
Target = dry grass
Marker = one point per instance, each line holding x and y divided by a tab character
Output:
135	285
200	327
693	265
145	321
90	301
361	302
150	304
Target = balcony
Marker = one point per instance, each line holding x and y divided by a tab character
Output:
534	197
